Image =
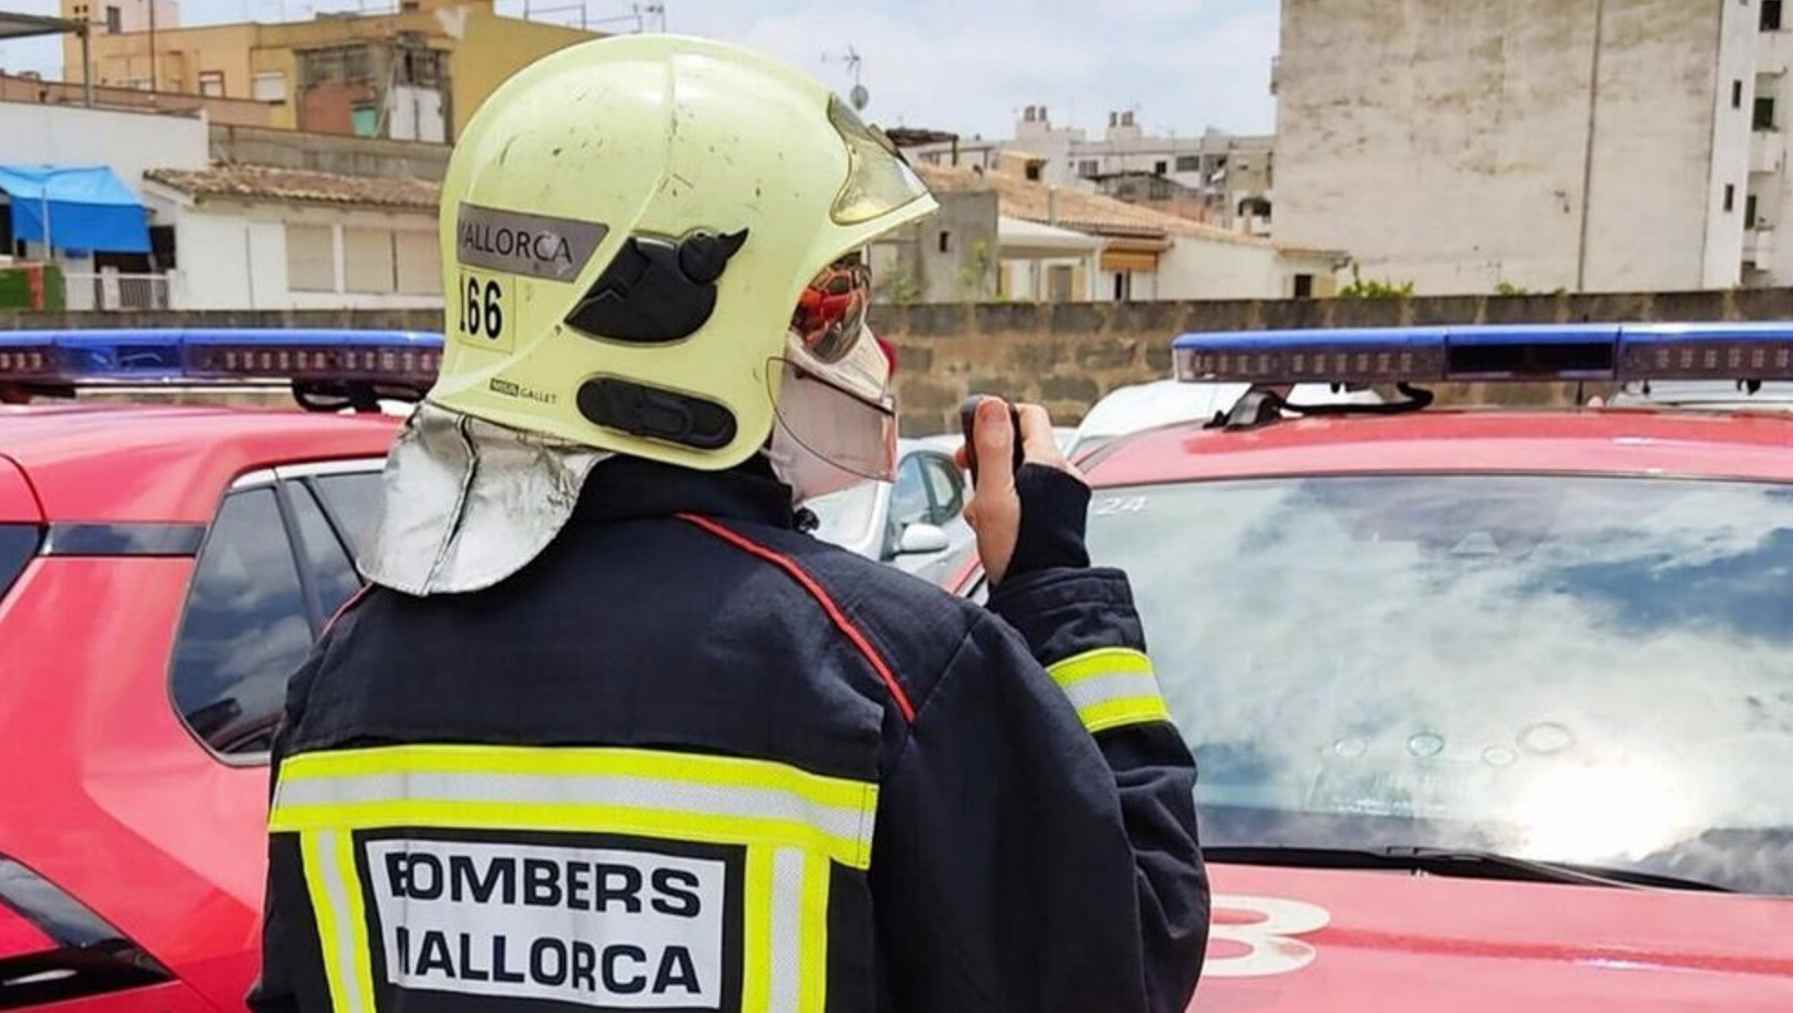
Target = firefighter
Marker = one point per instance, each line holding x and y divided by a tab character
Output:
608	729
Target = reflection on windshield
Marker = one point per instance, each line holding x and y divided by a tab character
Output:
1590	670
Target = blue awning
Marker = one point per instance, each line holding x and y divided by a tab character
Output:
90	209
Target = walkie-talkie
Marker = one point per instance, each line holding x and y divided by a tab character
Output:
968	427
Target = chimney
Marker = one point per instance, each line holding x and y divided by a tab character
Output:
1112	119
1127	118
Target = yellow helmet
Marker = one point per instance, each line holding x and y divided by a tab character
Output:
645	243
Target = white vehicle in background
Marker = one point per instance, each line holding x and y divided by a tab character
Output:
1707	395
914	522
1162	402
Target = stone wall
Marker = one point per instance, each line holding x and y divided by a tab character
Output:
1068	355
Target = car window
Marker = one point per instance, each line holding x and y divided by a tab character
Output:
1581	669
328	566
18	543
245	628
910	502
946	487
354	499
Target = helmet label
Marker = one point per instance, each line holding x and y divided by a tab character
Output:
519	243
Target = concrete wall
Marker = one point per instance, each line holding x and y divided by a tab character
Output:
1068	356
1774	187
351	156
1444	143
127	142
1723	249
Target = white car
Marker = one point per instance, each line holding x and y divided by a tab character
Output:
1706	395
1161	402
914	522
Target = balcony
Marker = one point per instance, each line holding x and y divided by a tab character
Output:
111	290
1759	248
1767	149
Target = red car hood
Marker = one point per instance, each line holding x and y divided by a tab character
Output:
1309	939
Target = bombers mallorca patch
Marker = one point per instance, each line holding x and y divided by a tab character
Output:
598	926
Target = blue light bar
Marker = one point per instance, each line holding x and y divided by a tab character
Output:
1742	351
401	359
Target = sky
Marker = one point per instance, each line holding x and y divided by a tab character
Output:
961	65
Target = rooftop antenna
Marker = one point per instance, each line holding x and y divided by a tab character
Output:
852	61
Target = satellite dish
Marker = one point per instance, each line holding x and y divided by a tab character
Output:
859	98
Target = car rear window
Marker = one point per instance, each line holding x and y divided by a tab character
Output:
245	629
18	543
1582	669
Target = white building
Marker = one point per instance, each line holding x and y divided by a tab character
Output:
258	237
1589	145
1229	169
1092	247
127	143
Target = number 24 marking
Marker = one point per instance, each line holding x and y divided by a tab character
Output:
481	313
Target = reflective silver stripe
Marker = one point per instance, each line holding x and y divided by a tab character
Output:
786	892
1098	689
326	844
634	792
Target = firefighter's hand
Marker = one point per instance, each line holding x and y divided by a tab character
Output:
995	510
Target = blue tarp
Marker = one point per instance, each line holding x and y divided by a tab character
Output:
90	209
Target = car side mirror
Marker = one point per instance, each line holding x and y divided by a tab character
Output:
920	538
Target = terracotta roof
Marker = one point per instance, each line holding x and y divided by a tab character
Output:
1075	209
263	182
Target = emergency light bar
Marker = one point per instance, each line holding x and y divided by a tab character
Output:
1620	352
404	361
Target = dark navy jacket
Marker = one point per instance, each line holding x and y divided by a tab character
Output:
1019	860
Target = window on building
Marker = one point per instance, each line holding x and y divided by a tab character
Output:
365	119
1771	15
311	264
1034	171
1162	167
416	265
1187	163
1303	286
113	21
1750	211
1062	283
1122	286
369	260
162	247
1762	114
269	86
212	82
1730	196
1737	94
1089	167
943	242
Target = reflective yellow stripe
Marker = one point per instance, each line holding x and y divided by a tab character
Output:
574	818
710	798
813	918
359	927
588	761
1110	687
759	870
326	915
1130	711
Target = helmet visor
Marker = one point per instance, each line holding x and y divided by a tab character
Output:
879	180
842	415
828	320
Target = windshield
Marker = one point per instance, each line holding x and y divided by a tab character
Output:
1574	669
846	517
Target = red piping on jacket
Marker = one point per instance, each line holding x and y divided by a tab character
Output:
841	621
349	603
